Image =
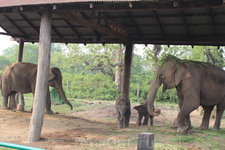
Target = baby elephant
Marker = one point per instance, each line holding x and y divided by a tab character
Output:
143	112
123	111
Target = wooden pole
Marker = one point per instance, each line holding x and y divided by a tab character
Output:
19	96
42	74
20	55
127	68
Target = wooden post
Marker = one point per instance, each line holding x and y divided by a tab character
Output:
20	59
145	141
42	74
20	55
127	68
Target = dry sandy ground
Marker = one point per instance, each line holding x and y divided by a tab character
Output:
92	129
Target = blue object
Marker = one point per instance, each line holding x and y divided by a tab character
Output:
17	146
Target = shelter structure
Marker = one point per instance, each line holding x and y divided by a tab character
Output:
169	22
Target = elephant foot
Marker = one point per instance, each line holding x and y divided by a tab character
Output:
5	107
185	129
20	107
182	129
203	127
49	112
216	128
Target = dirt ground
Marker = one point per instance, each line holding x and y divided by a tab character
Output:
94	128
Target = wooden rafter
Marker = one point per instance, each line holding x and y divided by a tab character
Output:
72	28
160	25
29	22
99	18
90	19
186	25
15	25
134	23
214	25
87	23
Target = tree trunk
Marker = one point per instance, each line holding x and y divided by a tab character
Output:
119	69
157	49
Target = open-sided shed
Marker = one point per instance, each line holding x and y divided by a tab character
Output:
170	22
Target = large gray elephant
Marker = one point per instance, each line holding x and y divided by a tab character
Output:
197	83
21	77
123	111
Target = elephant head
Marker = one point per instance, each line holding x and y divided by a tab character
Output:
170	75
55	80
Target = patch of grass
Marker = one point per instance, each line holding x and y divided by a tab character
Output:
161	146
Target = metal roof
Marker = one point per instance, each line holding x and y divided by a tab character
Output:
170	22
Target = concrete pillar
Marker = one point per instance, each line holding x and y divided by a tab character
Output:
145	141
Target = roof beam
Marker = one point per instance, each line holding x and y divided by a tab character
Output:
137	40
14	25
72	28
89	24
186	26
134	23
90	19
29	22
160	26
214	25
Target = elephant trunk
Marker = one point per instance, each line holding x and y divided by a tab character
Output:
152	93
62	94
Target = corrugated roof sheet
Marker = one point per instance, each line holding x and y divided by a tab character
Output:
193	26
8	3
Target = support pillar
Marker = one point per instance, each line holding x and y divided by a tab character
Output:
127	68
20	55
19	96
37	118
145	141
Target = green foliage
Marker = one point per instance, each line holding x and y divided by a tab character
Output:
55	97
90	86
80	80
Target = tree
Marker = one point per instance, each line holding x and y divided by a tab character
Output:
98	58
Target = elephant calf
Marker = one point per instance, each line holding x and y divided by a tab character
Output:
143	112
123	111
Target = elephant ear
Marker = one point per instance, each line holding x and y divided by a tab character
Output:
181	74
51	75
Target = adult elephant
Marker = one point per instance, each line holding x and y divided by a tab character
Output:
21	77
197	83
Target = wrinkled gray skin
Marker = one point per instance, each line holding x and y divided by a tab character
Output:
123	111
143	112
21	77
203	85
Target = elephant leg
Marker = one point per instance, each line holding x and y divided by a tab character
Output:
219	113
183	118
146	120
151	120
205	119
48	103
12	102
127	118
5	102
140	116
120	120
